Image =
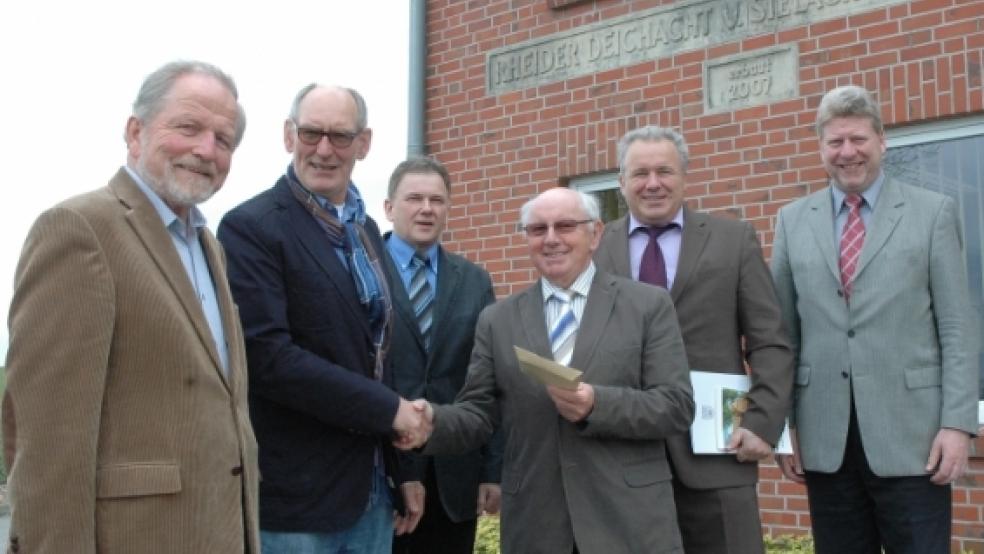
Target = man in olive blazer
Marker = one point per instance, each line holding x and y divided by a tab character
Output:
728	314
124	419
584	470
887	372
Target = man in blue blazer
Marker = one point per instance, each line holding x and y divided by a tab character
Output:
432	343
871	279
306	270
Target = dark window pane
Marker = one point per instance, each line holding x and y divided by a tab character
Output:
611	202
955	168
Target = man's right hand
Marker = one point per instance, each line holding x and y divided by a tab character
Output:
413	424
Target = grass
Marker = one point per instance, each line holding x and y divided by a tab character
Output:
487	540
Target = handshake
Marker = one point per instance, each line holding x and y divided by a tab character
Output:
413	424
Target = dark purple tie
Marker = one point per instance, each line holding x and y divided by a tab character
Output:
652	268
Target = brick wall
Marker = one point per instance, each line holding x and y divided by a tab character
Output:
923	59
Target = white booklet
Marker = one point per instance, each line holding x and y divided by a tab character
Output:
719	400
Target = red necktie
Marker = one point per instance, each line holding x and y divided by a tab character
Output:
652	268
852	239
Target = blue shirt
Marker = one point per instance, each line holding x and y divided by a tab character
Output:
185	237
867	207
402	254
578	296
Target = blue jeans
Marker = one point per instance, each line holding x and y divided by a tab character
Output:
371	534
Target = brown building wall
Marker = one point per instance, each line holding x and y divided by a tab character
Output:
923	59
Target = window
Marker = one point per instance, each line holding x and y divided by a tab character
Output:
604	187
948	158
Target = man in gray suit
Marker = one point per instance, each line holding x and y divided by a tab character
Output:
871	279
583	470
437	297
728	314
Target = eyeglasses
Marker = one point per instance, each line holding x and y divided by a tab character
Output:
311	137
562	227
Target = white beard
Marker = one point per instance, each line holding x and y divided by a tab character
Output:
174	191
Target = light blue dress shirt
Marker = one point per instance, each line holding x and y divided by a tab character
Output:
403	253
867	207
578	293
185	237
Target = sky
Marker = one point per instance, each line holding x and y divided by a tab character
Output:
72	69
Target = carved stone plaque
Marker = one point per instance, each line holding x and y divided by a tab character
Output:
751	78
653	34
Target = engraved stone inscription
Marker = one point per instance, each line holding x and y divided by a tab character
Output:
752	78
652	34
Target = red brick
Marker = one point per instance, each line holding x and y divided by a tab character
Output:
920	6
503	149
922	51
838	39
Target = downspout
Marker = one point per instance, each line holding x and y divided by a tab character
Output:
417	79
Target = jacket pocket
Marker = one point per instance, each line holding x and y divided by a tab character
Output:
922	377
139	479
646	473
803	375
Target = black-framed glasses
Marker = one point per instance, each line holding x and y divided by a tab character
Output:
311	136
562	227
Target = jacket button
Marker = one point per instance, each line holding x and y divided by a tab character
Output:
840	293
238	470
850	334
844	374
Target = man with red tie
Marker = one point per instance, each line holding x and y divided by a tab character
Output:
871	279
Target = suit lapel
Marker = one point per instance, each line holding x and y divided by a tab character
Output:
530	304
821	221
146	224
616	247
448	278
312	238
401	302
598	310
230	320
884	220
695	234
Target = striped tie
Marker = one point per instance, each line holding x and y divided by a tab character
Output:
564	330
852	239
421	297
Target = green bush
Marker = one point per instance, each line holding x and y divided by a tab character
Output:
789	544
487	536
487	540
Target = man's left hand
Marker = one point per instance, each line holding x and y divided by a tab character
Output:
748	447
413	500
573	405
948	456
489	495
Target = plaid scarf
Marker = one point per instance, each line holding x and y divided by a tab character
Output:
364	265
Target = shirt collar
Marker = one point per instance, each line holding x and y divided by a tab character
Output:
353	203
635	224
870	194
196	218
581	285
403	252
